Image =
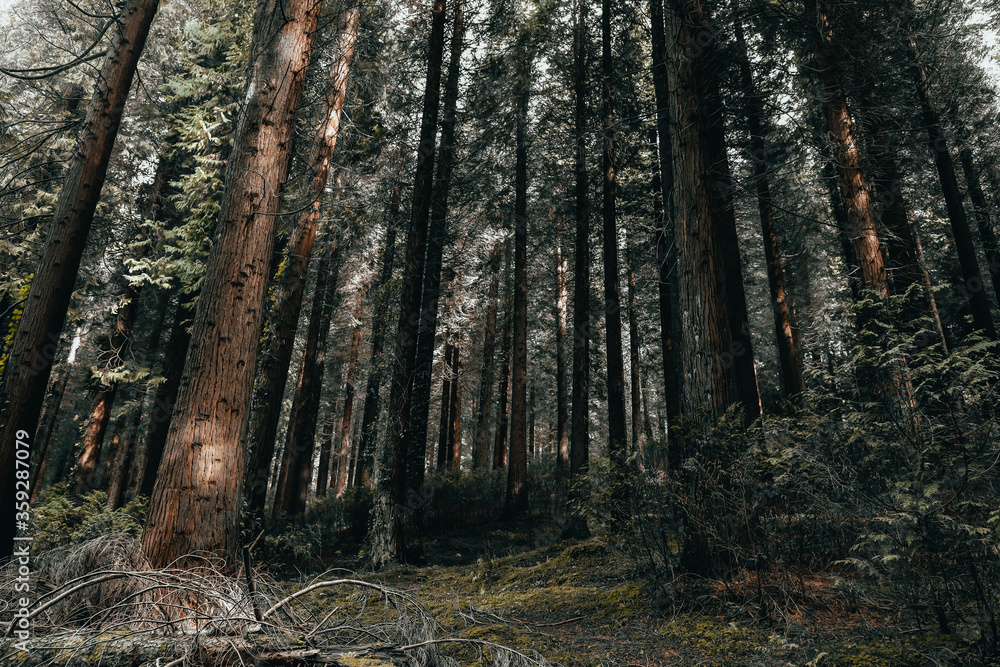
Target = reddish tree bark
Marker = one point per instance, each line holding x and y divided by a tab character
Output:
345	422
196	499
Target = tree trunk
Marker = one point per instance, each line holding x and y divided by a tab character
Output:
905	266
149	458
561	306
633	340
983	219
380	323
345	422
262	428
436	237
786	329
47	427
195	503
938	143
580	434
516	497
617	432
481	448
455	411
444	420
663	220
388	517
296	464
326	471
26	375
503	404
709	376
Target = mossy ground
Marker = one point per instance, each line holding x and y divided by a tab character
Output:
583	603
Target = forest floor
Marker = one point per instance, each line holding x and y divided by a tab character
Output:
583	603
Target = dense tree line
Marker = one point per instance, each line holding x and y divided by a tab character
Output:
261	253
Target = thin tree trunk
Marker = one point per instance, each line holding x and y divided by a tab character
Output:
345	422
296	464
29	364
326	474
983	218
148	461
503	404
938	143
662	187
380	323
786	330
531	422
561	307
262	427
580	428
617	432
633	340
481	448
47	427
455	411
436	237
516	497
388	515
444	420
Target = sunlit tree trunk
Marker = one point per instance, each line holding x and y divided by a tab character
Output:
345	422
560	310
503	394
262	427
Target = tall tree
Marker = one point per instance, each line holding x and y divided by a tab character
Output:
262	427
297	458
29	364
786	329
387	538
345	422
436	236
560	308
196	498
617	432
380	324
481	446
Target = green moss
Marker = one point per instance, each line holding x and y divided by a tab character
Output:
354	660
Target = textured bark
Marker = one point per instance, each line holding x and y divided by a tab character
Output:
580	427
516	496
561	307
786	329
29	364
195	502
617	431
296	463
481	447
455	411
709	378
983	218
326	473
387	538
436	238
262	428
937	140
503	393
633	348
345	422
444	420
380	322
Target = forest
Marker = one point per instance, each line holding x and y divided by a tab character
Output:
499	332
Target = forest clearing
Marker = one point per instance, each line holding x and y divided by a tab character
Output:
499	332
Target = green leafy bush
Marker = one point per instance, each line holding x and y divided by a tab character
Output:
62	520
